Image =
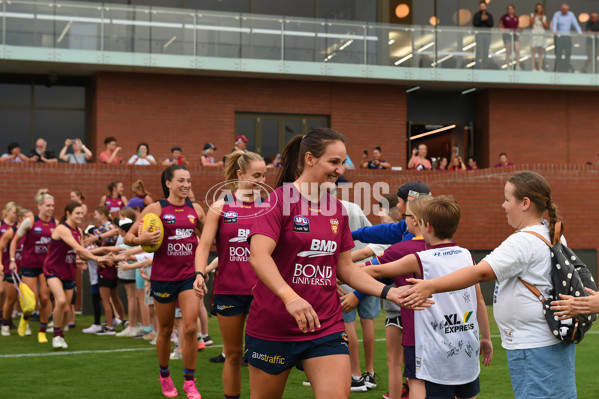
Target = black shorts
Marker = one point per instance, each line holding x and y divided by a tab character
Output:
126	281
31	271
168	291
231	305
274	357
394	321
66	284
108	282
409	355
8	278
438	391
74	299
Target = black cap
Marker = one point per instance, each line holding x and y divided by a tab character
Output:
209	146
124	224
412	189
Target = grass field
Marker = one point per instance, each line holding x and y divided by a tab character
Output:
111	367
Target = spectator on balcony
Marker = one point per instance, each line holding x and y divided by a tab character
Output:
592	29
442	164
377	160
538	24
457	164
503	161
511	39
562	23
14	154
81	154
41	153
177	157
482	20
142	157
112	153
472	163
241	143
418	160
207	160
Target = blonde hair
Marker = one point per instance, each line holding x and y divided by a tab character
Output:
22	212
416	206
128	213
7	208
42	195
239	160
139	185
443	213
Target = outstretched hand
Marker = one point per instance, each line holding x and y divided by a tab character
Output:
416	295
396	294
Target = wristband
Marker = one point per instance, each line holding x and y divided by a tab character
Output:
201	274
287	295
385	291
13	260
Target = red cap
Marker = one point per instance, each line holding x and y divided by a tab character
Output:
241	137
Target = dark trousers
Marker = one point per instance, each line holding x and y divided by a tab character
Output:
483	41
563	45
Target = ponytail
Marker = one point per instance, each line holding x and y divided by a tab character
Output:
42	195
167	175
239	160
69	209
552	212
289	170
111	186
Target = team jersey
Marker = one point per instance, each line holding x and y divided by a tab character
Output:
174	260
62	258
393	253
114	204
36	242
447	347
4	227
310	237
235	275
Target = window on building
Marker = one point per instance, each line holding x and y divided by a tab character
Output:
269	133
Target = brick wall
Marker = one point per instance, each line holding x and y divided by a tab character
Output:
165	110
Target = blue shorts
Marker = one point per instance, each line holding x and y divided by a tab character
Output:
439	391
95	289
66	284
168	291
546	372
368	308
139	280
231	305
409	355
274	357
31	271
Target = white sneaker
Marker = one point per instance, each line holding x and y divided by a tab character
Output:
6	331
28	330
176	354
116	322
59	343
50	327
94	328
127	332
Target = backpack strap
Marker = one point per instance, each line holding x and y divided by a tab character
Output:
559	231
531	287
540	237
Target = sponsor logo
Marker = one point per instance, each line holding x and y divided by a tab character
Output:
162	294
242	253
192	219
457	323
334	226
169	219
319	248
181	234
37	230
180	249
242	235
344	336
230	217
301	224
448	253
268	359
313	274
224	307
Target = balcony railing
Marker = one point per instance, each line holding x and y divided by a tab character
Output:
92	33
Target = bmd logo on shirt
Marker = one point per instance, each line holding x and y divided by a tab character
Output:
169	219
301	224
230	217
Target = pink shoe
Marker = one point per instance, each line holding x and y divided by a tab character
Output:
168	388
190	389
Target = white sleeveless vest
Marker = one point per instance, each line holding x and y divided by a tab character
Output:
447	343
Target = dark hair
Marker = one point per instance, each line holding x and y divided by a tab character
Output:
533	186
378	147
175	148
292	160
103	210
69	209
147	147
12	146
502	153
78	193
511	5
109	140
167	175
392	201
474	159
443	213
112	185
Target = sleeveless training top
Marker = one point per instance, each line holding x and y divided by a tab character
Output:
4	227
61	260
36	241
114	204
447	344
175	259
235	275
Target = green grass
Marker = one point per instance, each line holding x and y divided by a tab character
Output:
134	374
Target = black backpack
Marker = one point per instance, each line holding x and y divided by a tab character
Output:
569	276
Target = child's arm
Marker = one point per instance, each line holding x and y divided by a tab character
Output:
128	266
361	254
486	346
406	265
213	265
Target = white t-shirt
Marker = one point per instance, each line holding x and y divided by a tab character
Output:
356	219
519	314
140	161
143	256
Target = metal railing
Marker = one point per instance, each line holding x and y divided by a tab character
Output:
160	31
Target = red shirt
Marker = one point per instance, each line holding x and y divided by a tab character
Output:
36	242
104	155
62	259
510	22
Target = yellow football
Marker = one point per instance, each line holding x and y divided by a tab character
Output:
151	222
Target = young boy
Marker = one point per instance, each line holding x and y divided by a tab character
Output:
447	341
